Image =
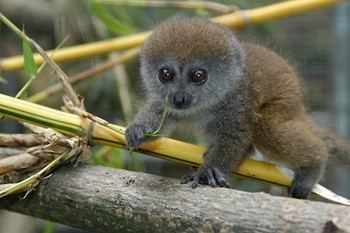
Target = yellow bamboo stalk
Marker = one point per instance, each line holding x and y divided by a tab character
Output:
78	51
164	148
237	19
271	12
113	135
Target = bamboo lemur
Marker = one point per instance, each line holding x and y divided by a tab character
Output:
239	96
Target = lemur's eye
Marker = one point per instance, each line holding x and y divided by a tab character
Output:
165	75
199	76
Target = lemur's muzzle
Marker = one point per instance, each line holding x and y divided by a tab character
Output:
180	99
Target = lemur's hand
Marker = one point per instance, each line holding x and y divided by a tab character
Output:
135	135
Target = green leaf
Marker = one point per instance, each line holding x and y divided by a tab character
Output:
162	121
109	20
30	67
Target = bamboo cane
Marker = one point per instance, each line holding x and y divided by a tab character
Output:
164	148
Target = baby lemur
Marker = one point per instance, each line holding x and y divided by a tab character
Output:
238	95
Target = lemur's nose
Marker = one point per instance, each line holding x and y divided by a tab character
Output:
180	99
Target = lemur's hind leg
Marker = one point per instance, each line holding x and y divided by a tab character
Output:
294	141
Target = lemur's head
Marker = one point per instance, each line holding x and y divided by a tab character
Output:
192	61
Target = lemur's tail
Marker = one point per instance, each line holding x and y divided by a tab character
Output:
338	148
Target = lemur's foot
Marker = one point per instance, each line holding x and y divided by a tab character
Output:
300	189
304	181
206	175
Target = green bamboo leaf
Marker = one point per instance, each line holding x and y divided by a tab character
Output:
162	121
23	94
30	67
109	21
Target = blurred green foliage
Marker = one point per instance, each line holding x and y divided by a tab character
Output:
116	20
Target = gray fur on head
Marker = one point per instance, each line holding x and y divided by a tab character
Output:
184	44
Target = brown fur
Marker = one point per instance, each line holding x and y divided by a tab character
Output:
252	98
283	131
180	37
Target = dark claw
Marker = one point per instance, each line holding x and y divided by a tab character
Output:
187	178
208	176
211	179
220	177
195	182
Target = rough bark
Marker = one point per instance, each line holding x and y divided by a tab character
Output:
111	200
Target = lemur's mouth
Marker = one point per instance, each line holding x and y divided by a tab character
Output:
180	107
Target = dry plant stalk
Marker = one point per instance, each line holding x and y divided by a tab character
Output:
99	69
49	148
20	140
17	162
54	149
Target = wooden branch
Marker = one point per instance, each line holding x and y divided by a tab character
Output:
102	199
